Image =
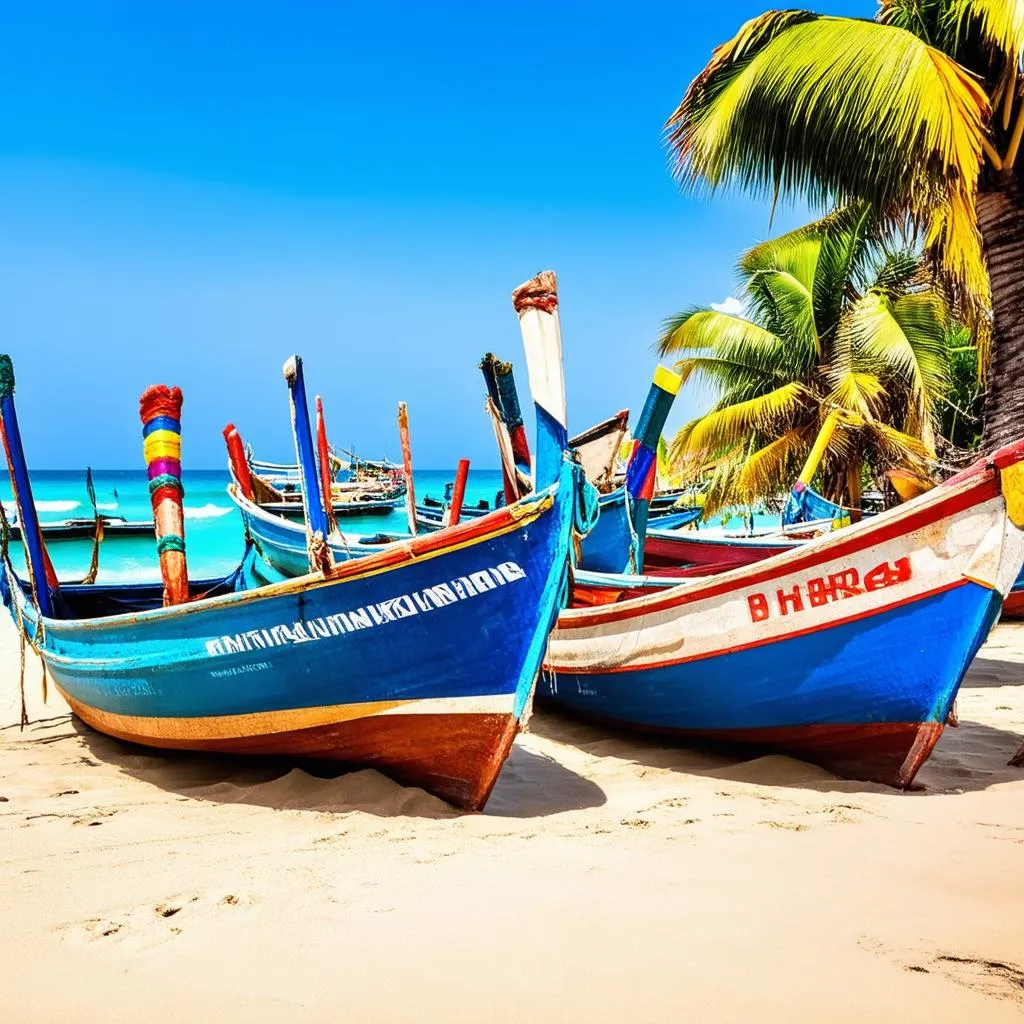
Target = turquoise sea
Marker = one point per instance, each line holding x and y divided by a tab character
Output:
213	528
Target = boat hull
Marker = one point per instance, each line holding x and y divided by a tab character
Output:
859	699
847	652
667	550
455	756
420	660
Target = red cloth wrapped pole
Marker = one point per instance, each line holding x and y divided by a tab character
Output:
458	492
239	463
160	412
323	453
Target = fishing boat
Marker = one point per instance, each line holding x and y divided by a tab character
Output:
419	661
277	487
613	543
85	527
847	651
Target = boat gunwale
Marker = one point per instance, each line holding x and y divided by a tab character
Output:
931	507
505	520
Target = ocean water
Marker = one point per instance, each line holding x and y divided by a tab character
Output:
213	528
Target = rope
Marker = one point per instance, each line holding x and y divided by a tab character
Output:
170	542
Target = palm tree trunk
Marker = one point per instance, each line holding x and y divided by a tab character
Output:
1001	219
853	490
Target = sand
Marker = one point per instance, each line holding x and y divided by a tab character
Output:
611	878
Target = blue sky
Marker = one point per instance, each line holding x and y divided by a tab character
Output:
191	192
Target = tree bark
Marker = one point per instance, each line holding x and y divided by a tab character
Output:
1001	219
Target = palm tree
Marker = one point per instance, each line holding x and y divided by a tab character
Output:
919	113
843	340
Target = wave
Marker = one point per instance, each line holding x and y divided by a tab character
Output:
208	511
57	506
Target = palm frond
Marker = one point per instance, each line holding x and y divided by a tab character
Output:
859	392
907	336
1001	23
793	317
721	333
772	469
730	424
897	271
837	108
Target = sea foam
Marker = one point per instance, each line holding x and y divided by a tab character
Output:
209	511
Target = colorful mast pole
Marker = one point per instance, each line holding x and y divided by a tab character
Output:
316	517
642	470
41	575
160	413
410	490
323	451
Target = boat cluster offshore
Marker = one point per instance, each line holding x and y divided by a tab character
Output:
582	585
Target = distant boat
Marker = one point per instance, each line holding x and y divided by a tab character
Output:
82	528
846	651
372	489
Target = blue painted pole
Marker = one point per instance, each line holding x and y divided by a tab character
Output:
316	516
31	536
642	470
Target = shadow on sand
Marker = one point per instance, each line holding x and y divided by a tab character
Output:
530	785
967	758
989	672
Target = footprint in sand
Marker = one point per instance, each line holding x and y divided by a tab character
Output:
145	926
999	979
996	978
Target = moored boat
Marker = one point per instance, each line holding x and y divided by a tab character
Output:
847	651
419	661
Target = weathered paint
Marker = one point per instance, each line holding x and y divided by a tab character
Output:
872	626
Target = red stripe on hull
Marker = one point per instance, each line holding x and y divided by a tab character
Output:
456	757
847	542
887	752
671	552
1013	606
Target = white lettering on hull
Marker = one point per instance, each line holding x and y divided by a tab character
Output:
429	599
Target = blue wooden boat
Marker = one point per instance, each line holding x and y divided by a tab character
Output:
846	651
419	661
282	542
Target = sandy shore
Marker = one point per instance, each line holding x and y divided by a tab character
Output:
611	879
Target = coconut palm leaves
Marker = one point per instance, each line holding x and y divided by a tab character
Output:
838	108
838	330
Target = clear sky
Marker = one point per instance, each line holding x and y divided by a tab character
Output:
190	192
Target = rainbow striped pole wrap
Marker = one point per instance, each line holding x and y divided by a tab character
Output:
536	303
160	412
41	575
316	517
642	471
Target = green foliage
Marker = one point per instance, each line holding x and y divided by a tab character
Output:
836	323
906	114
960	408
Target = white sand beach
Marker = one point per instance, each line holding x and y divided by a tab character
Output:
611	878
